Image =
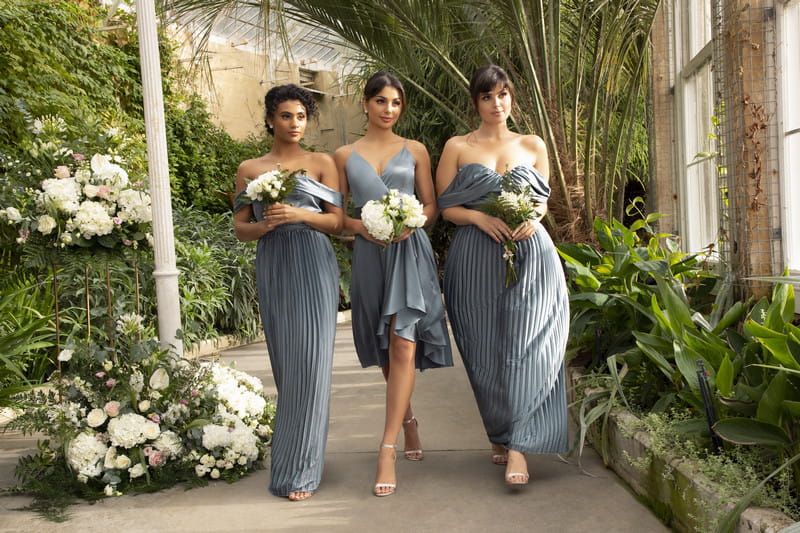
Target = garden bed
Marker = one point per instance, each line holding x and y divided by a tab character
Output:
671	486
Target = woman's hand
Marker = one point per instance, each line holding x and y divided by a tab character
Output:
405	235
492	226
277	213
362	230
524	230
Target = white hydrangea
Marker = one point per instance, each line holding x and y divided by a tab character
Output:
134	206
136	381
64	194
130	429
238	391
239	439
91	219
86	454
110	173
376	220
169	442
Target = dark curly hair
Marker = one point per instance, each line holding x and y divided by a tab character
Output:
282	93
487	78
378	81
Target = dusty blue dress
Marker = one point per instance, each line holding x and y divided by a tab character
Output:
399	280
512	339
298	296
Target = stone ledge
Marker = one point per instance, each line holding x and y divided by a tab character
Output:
672	486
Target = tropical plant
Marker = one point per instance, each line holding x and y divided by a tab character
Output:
581	70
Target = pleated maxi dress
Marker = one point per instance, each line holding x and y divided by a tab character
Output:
298	296
512	339
399	280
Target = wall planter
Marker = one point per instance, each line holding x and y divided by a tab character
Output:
671	486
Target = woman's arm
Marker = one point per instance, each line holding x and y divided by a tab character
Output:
460	215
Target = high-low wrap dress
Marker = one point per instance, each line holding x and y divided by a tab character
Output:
399	280
298	296
512	339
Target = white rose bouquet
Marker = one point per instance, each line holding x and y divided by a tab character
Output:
138	418
387	218
513	206
272	186
86	204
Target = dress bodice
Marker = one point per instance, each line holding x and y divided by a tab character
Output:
308	193
365	184
474	183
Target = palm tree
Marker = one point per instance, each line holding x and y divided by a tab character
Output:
581	68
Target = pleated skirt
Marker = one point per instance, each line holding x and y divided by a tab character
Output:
298	295
512	339
398	282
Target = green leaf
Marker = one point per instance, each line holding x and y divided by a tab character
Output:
751	432
676	306
769	408
773	341
725	377
730	317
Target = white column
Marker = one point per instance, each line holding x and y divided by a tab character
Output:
165	272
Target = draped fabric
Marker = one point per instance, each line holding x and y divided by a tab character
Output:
298	296
512	339
398	281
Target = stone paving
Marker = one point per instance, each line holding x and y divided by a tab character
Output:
455	488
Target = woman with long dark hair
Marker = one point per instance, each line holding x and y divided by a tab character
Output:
397	310
511	336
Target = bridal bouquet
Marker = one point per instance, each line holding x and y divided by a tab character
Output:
385	219
83	204
272	186
138	418
513	206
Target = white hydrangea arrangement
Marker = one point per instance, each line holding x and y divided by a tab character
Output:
387	218
139	418
90	202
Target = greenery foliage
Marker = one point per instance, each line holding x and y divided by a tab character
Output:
644	316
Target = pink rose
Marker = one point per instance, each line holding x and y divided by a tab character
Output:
195	392
78	157
100	375
24	233
156	458
102	191
127	242
117	220
110	382
183	402
62	171
155	418
147	451
112	407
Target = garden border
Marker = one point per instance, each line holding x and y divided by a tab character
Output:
672	486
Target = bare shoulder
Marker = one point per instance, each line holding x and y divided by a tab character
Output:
320	158
534	143
417	148
343	152
250	167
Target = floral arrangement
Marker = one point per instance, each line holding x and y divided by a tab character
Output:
513	205
84	204
272	186
137	417
387	218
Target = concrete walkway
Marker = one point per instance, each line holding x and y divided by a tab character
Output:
455	488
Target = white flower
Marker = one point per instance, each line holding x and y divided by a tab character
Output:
160	379
387	217
111	457
129	324
46	224
122	462
136	382
109	172
90	190
85	454
64	194
144	405
214	474
378	224
108	364
169	442
92	219
13	214
65	355
127	430
200	470
134	206
96	417
265	186
136	470
151	430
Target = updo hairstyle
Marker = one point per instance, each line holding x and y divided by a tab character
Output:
282	93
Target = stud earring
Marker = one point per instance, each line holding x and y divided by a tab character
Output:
366	112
